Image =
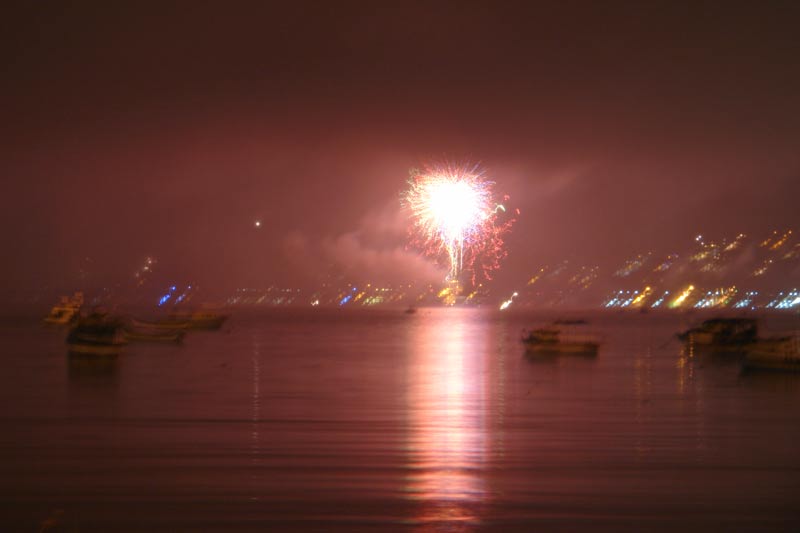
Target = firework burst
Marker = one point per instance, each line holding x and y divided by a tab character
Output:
455	216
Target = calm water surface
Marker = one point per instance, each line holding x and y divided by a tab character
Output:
383	421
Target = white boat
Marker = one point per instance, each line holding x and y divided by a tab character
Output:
780	353
66	310
553	340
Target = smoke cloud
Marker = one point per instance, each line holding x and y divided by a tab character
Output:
373	252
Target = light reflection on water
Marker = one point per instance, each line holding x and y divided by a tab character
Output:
447	427
256	447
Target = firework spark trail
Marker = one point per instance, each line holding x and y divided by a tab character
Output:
454	213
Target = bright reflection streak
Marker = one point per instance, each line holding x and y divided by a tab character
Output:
446	405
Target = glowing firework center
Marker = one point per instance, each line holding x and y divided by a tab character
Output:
455	209
453	212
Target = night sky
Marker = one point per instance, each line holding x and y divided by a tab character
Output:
168	129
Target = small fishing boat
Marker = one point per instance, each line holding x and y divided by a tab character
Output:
553	340
137	331
98	334
722	333
202	319
181	320
779	353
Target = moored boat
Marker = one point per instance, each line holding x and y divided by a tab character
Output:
552	340
96	335
780	353
722	333
195	320
158	334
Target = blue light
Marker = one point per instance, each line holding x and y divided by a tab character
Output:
346	299
164	299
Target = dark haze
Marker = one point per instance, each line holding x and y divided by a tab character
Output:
169	129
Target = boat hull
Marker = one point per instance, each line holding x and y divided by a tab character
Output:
164	336
771	362
165	325
567	348
194	322
554	341
57	321
780	354
207	323
96	335
701	338
79	349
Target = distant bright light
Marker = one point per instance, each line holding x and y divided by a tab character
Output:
660	300
641	296
507	303
258	223
682	296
